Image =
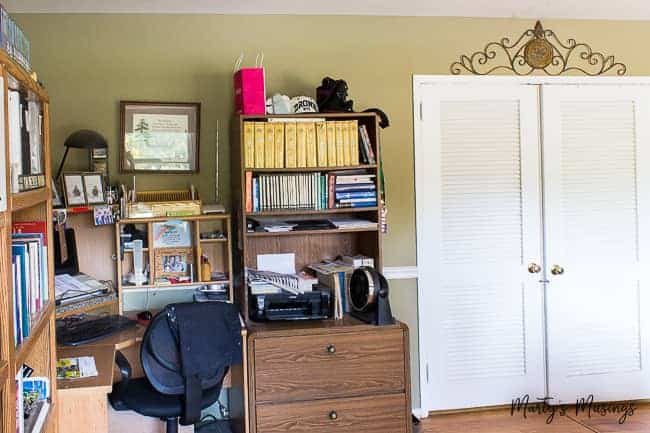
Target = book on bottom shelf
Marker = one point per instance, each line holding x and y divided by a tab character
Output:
33	396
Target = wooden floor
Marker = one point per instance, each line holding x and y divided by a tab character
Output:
500	421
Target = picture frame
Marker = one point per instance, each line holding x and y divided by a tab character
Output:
74	190
172	262
159	137
94	187
56	197
172	234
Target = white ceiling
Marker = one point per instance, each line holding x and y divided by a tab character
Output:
584	9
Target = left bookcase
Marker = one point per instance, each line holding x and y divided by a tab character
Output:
27	210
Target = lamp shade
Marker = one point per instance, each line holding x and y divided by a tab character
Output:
86	139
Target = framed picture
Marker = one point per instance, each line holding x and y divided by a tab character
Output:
56	197
94	186
159	137
172	262
74	192
172	234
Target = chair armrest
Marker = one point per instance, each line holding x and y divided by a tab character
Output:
124	367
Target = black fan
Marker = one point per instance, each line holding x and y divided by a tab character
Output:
369	297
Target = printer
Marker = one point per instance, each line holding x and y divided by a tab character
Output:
288	306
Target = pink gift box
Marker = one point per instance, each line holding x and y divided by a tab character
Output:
250	92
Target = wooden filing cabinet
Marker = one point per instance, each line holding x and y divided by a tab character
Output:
320	377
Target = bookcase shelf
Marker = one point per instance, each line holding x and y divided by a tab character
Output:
313	169
218	252
309	246
287	212
308	232
40	323
39	349
27	199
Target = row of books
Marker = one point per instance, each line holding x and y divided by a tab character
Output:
33	396
14	41
30	275
25	142
309	191
298	144
336	276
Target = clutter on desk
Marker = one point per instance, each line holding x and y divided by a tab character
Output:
76	368
73	289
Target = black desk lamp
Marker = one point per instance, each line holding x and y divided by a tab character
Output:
82	139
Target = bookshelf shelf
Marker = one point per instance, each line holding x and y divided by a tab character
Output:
27	199
313	169
32	208
213	241
309	246
41	322
308	232
217	251
289	212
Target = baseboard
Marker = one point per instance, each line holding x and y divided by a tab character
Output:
401	272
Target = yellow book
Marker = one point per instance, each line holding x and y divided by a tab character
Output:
340	152
290	145
269	145
321	143
259	144
331	143
279	144
354	142
249	145
347	147
312	157
301	144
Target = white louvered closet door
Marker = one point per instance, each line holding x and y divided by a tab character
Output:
477	174
597	192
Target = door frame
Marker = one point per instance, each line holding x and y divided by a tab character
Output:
420	82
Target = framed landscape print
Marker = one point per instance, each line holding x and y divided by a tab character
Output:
159	137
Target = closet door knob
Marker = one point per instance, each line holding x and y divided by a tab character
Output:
557	270
331	348
534	268
333	415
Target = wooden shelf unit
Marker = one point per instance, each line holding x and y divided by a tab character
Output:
309	246
39	349
217	250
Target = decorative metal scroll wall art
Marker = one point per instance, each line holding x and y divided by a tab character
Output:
538	50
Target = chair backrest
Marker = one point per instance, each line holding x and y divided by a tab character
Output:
191	343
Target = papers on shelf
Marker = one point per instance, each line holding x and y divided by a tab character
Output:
76	288
277	263
76	368
265	282
353	223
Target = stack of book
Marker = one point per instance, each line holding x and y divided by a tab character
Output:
352	190
298	143
32	402
309	191
30	275
25	143
14	41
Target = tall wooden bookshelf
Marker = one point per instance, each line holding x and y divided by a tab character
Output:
308	246
39	349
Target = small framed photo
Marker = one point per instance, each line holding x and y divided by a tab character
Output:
172	262
172	234
159	137
94	186
73	186
56	197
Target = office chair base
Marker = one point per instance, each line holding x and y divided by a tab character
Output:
172	425
213	426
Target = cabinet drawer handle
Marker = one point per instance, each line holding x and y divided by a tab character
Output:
334	415
331	348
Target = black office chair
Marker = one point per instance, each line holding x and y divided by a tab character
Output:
186	353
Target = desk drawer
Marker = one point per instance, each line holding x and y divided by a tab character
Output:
377	414
329	366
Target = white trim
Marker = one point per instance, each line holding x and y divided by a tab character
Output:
432	80
420	413
401	272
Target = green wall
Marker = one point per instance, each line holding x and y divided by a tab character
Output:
90	62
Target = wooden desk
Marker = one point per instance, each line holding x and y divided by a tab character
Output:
83	405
